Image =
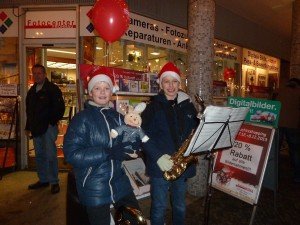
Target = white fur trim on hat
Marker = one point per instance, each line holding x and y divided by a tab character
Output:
171	74
99	78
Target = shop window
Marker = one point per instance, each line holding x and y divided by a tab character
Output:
9	71
130	55
226	70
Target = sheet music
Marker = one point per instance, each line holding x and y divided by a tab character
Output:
213	126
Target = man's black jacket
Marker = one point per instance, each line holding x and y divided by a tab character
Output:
43	108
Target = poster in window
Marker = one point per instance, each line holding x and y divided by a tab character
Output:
250	77
89	47
261	80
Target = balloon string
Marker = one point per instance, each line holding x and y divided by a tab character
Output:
108	53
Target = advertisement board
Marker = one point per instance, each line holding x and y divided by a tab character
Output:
143	30
239	171
265	112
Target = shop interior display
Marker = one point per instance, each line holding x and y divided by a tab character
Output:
9	73
8	134
129	55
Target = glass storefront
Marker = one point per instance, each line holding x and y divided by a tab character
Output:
130	55
226	71
9	60
260	74
9	103
60	64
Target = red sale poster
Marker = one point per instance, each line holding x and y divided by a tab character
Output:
239	171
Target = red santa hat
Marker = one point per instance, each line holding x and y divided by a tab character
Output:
169	69
101	77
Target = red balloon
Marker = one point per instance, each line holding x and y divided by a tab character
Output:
110	19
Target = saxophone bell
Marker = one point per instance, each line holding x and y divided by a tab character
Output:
126	215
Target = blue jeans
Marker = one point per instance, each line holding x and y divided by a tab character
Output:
46	156
292	136
159	200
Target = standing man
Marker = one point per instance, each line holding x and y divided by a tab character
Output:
289	122
44	108
168	121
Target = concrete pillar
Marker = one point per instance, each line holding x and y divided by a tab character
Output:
201	25
295	48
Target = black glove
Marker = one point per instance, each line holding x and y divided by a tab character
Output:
123	151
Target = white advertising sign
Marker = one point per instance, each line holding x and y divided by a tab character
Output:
144	30
50	24
9	22
227	50
239	171
260	60
8	89
243	156
153	32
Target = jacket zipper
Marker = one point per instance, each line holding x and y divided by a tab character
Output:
87	174
110	187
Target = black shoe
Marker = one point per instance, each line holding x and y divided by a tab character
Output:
37	185
55	188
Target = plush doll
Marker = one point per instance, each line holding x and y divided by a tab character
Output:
131	131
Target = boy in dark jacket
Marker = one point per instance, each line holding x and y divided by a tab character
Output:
168	120
97	162
44	108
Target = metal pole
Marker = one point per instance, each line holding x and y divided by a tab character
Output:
253	214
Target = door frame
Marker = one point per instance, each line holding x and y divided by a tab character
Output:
42	43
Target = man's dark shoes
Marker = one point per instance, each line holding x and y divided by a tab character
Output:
37	185
55	188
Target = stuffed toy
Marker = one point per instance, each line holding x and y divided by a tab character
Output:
131	131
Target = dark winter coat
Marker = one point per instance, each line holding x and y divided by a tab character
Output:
99	180
43	108
168	126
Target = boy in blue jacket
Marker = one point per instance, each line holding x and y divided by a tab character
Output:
97	163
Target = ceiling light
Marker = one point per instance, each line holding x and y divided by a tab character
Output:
155	53
60	51
130	46
58	65
98	48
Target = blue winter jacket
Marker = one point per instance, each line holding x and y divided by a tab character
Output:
99	180
167	127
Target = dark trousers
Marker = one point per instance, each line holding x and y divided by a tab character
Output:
76	212
292	136
100	215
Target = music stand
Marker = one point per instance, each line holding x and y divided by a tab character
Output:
217	130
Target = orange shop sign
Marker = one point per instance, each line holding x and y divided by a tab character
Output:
50	24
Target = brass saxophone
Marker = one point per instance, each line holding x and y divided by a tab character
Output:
181	162
132	214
